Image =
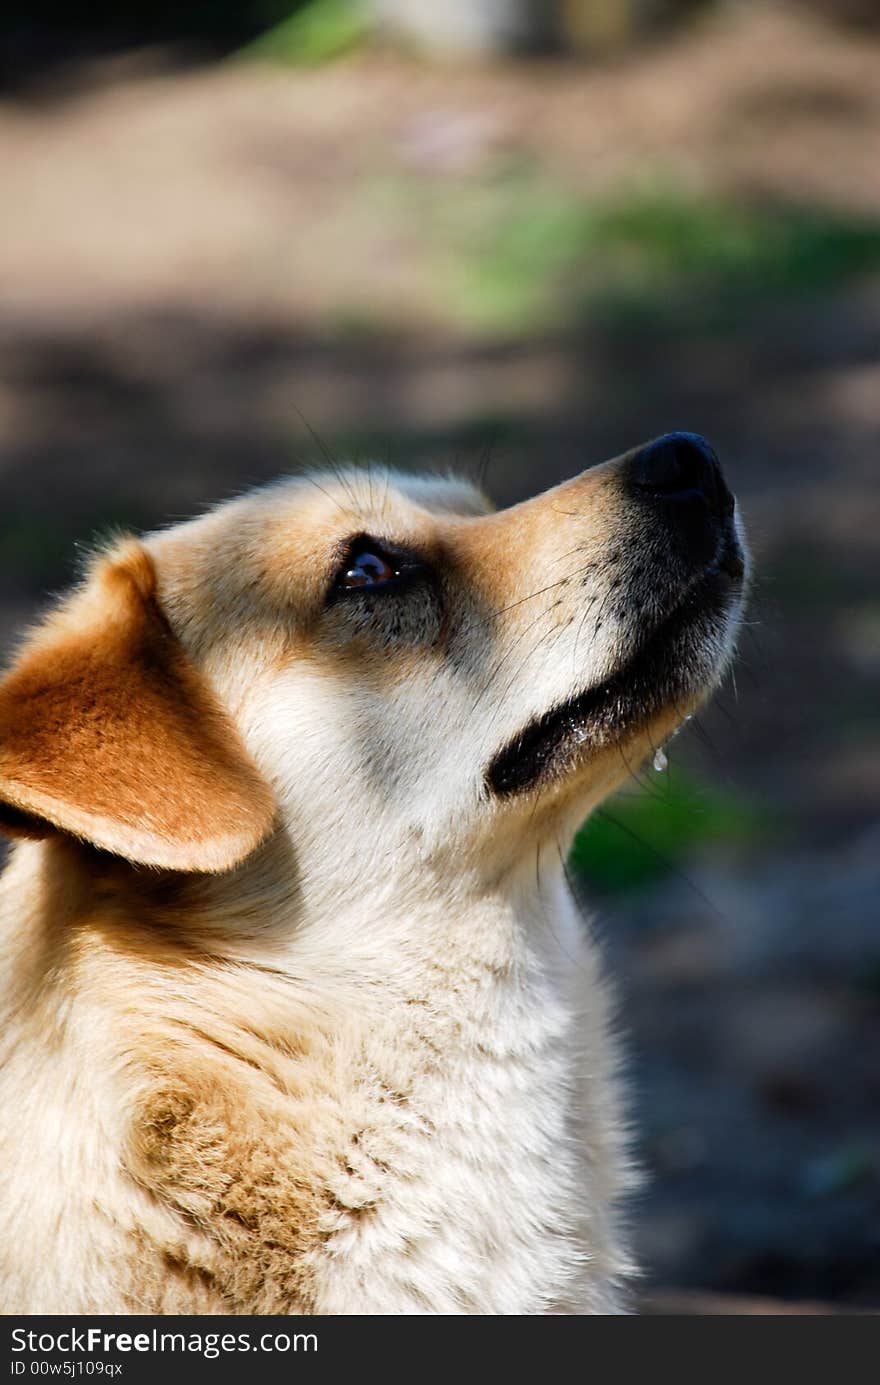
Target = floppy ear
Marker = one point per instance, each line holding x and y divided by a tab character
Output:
108	732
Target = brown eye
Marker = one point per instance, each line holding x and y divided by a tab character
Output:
369	568
372	565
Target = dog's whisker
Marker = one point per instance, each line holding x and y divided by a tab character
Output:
552	633
702	734
506	657
521	601
668	865
332	463
541	591
569	553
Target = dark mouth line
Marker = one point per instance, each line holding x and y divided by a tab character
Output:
641	687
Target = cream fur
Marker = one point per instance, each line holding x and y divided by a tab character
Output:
366	1066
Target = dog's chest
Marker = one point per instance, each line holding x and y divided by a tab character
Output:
458	1189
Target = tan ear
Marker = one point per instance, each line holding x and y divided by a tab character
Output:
108	732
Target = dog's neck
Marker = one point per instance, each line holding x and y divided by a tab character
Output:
426	923
271	912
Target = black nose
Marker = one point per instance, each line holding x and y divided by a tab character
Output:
681	467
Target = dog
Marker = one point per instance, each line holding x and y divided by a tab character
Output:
298	1014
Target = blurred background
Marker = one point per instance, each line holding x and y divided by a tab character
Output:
518	238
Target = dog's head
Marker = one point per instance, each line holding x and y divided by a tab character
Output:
376	665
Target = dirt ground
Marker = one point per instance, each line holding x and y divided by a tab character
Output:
188	257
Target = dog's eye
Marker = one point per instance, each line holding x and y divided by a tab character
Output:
367	569
367	564
370	565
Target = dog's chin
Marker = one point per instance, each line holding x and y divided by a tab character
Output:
670	673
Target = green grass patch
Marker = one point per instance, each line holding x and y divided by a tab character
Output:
517	250
644	835
316	33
